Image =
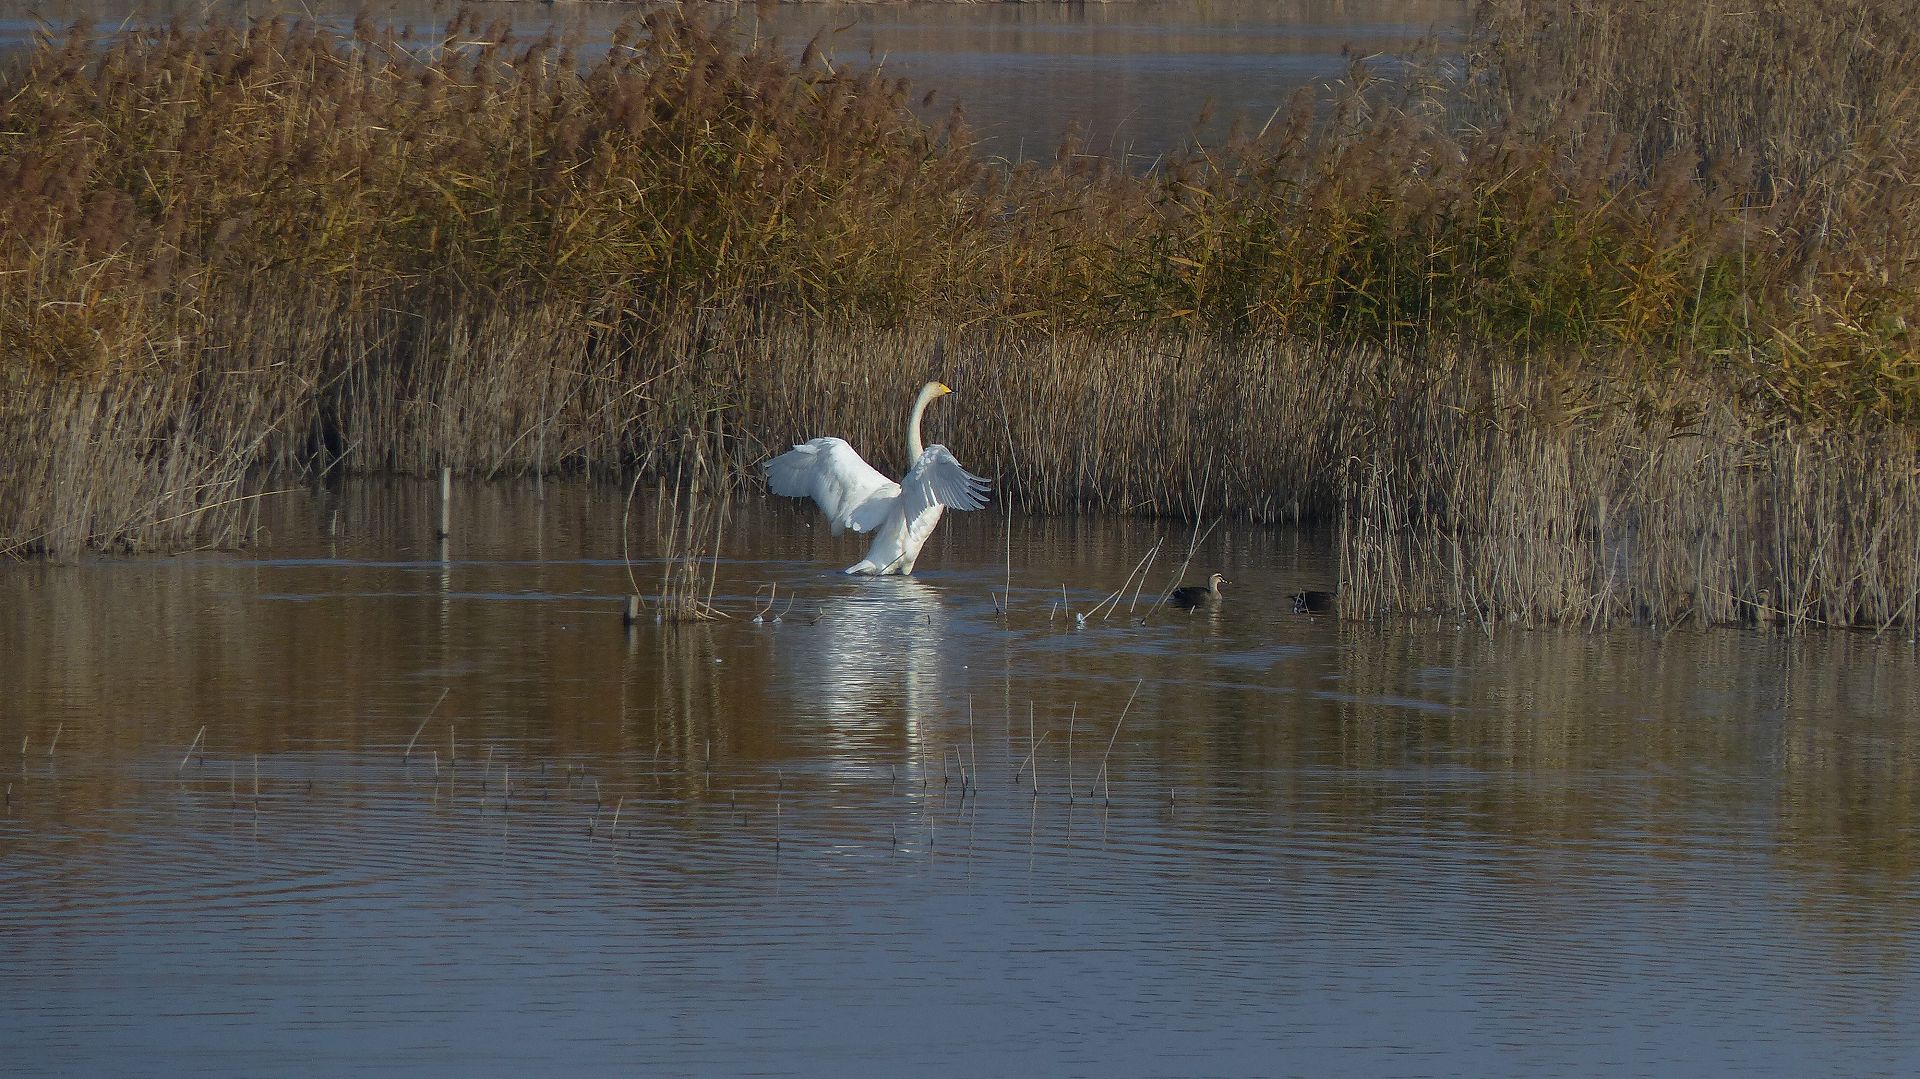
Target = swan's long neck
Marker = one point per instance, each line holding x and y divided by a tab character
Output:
914	447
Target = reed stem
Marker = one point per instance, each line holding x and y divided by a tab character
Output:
1101	777
408	755
191	746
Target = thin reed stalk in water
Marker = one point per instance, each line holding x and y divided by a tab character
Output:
1030	741
1073	713
626	554
973	746
1112	601
1152	555
1102	777
408	755
1007	592
1029	758
191	746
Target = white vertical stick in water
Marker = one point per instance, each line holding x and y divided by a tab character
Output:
446	503
1102	778
191	746
408	755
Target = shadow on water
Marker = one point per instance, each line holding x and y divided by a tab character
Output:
447	815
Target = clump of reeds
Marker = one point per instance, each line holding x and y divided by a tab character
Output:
690	523
1474	499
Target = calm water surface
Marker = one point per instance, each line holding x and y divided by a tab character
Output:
1130	78
1318	848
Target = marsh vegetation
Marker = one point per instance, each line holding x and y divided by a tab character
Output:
1603	317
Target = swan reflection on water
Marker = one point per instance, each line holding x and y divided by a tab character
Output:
880	651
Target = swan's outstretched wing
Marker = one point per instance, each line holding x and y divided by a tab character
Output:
937	479
847	489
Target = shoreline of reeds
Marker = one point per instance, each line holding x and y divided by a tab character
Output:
1536	356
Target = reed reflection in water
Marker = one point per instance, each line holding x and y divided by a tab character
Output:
800	848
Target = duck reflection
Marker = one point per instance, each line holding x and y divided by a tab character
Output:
878	655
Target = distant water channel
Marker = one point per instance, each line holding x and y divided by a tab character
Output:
897	833
1131	78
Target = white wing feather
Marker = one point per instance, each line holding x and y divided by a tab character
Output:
851	492
937	479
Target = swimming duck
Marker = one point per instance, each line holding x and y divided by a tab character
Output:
1189	596
1312	602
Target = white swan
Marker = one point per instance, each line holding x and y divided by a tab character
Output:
854	495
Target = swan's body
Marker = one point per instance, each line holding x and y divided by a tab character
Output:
853	494
1188	597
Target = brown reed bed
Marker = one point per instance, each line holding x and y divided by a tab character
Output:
1467	499
1596	330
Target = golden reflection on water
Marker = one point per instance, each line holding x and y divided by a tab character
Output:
1594	819
1629	739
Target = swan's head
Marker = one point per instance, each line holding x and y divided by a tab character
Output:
928	393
